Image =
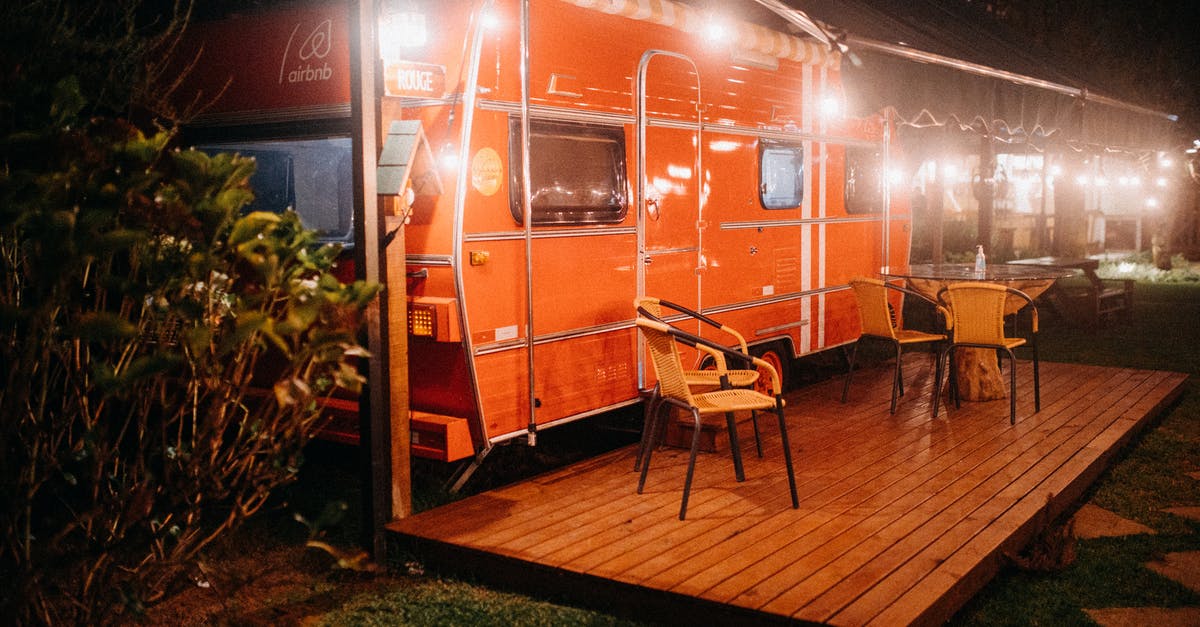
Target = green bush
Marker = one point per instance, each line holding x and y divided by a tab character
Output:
137	305
1140	267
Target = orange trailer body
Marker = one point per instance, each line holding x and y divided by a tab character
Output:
662	161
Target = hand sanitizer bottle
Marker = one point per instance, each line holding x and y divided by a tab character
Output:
980	261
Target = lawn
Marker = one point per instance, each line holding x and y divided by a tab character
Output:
265	574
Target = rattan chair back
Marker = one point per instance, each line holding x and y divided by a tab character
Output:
873	311
977	312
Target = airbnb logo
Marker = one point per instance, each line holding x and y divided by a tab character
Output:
308	63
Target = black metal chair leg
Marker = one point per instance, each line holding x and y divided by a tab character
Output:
757	438
953	377
735	447
650	444
647	418
1037	384
787	452
691	469
937	382
1012	388
850	371
937	379
896	384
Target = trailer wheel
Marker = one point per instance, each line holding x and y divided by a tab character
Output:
774	355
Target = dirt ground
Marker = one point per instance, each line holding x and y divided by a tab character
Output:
263	574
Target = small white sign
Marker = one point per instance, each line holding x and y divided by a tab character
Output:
506	333
768	290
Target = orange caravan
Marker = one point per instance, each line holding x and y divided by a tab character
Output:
553	160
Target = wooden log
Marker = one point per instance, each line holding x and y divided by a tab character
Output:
979	377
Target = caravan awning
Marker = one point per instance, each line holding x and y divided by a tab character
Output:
936	67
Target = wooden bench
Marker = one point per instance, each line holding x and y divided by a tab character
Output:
1091	300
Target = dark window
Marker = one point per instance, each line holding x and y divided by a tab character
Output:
781	174
864	180
311	176
577	173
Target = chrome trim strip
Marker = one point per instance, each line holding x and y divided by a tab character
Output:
550	338
590	413
473	62
603	117
512	435
584	332
429	260
780	298
765	224
286	114
555	234
787	135
672	251
781	327
558	113
408	102
527	223
499	347
677	124
567	419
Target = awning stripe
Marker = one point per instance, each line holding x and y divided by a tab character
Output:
752	37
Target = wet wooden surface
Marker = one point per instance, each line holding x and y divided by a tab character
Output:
902	518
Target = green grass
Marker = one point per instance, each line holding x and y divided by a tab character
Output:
442	602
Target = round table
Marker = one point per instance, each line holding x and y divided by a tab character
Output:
976	369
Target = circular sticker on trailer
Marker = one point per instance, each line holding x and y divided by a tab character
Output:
486	171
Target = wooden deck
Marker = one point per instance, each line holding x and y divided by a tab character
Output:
902	518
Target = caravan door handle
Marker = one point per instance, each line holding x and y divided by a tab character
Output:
652	207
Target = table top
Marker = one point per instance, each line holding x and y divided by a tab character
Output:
1082	263
995	272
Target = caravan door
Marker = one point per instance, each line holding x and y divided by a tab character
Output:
669	178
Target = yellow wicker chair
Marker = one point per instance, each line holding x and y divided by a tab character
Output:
674	390
699	380
878	323
977	320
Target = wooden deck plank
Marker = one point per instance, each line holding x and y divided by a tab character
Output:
810	553
901	518
1021	514
1007	473
896	521
866	487
1012	530
741	514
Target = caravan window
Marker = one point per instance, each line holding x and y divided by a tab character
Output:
312	176
577	172
781	174
864	180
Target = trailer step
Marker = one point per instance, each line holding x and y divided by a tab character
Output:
443	438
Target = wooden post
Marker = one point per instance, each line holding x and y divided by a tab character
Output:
397	374
374	431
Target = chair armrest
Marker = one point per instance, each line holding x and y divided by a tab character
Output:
1032	307
741	341
715	349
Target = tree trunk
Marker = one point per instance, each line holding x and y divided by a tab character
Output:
935	207
985	193
1070	223
979	377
